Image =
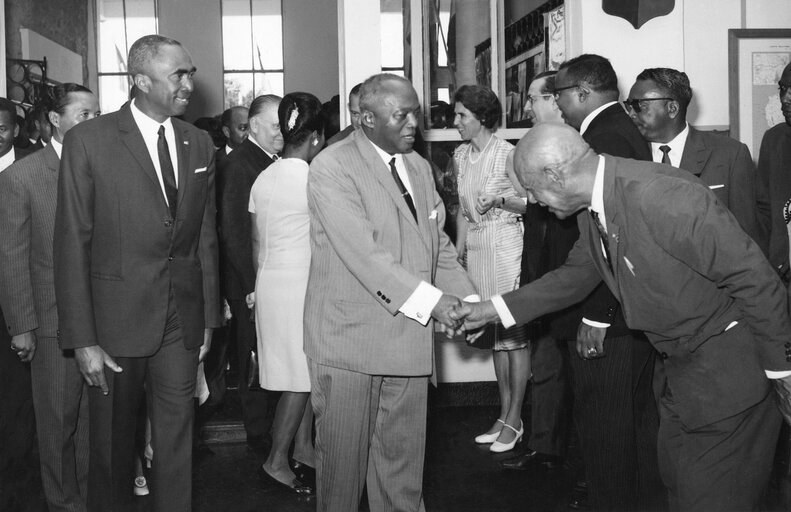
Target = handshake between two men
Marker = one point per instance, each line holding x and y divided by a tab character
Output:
456	316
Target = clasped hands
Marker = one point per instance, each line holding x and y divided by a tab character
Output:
456	316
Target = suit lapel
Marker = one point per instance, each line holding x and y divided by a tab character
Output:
183	141
695	154
133	140
382	173
51	159
420	199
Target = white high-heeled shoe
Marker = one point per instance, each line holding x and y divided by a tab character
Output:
489	438
498	447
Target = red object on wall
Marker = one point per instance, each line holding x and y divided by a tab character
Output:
638	12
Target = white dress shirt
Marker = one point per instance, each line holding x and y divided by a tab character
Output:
273	156
7	159
57	146
149	129
676	148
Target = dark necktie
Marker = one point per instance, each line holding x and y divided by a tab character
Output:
168	175
603	235
665	149
402	188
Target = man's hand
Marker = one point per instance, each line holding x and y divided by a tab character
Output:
590	341
91	362
204	349
783	389
24	345
442	313
486	202
475	314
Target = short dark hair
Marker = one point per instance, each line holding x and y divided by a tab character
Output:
482	102
594	70
9	106
261	102
144	50
58	97
225	118
674	84
300	114
548	87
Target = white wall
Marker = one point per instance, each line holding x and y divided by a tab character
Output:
196	24
63	65
310	47
692	38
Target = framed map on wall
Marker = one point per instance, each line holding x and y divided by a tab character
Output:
756	58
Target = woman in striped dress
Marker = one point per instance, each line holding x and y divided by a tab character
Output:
490	242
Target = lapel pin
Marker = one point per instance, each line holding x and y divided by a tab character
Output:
616	238
186	143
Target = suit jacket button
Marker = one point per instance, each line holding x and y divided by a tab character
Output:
387	300
170	258
788	344
168	223
788	358
378	293
419	315
663	355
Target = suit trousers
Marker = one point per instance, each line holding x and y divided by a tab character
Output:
549	396
18	464
369	429
722	466
617	421
255	403
60	399
168	378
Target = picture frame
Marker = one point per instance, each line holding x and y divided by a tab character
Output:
756	58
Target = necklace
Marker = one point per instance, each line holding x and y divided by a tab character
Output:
480	153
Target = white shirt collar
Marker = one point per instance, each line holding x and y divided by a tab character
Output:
57	146
149	129
597	195
590	117
228	149
147	125
272	156
676	147
7	159
399	163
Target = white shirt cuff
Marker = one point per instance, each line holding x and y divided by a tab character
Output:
777	375
506	318
421	303
593	323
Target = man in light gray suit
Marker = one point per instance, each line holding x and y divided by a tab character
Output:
378	250
28	195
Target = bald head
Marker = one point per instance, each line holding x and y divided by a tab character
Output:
557	167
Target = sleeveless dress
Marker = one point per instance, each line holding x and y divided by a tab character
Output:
280	203
494	239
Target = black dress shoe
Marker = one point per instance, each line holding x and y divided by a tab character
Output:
304	472
296	487
531	460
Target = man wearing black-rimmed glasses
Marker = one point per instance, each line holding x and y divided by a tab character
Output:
658	105
614	409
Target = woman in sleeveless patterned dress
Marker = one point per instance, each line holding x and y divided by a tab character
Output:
490	241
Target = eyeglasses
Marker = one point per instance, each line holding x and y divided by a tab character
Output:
532	99
637	104
558	90
783	88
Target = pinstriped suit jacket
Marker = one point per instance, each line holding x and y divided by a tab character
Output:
28	196
368	256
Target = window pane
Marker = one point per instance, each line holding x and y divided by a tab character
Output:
466	30
113	92
238	89
268	83
267	34
237	43
392	33
112	39
141	19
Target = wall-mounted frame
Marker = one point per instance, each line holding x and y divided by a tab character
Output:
756	58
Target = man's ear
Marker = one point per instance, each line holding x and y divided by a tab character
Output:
673	109
553	176
226	132
142	82
583	92
16	130
367	118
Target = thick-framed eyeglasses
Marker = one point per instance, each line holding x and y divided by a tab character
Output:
532	99
783	87
638	104
558	90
